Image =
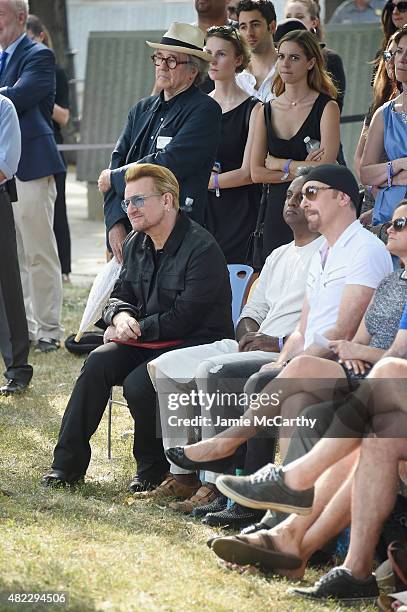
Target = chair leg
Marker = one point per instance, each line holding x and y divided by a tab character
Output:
109	426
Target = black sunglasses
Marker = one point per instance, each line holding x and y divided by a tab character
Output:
388	55
398	224
401	6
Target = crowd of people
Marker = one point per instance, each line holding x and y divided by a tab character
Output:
234	158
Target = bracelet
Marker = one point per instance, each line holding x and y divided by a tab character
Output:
390	174
286	170
216	183
280	343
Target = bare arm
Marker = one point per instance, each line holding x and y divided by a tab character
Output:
372	172
328	152
355	300
259	173
241	176
399	346
60	114
357	159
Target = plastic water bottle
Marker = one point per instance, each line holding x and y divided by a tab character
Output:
188	205
311	145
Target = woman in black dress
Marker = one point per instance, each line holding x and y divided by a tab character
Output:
233	200
304	106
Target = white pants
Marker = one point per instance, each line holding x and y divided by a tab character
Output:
38	257
184	370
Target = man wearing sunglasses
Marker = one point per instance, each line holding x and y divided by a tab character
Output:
173	290
179	129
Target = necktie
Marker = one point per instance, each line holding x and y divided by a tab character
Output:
3	58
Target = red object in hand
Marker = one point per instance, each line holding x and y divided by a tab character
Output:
155	344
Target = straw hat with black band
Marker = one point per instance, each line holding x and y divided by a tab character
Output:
183	38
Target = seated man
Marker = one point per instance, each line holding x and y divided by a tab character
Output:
327	509
267	319
174	286
343	276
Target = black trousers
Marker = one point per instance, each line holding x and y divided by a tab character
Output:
109	365
61	226
14	342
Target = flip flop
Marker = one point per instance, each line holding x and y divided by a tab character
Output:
236	549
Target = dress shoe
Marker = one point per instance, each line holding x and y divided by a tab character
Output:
146	481
13	387
177	456
170	488
47	345
234	517
59	478
203	497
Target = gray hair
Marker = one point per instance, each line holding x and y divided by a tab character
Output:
20	6
202	67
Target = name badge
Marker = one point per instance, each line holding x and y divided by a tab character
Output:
162	142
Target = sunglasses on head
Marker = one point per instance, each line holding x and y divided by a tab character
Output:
398	224
311	192
401	6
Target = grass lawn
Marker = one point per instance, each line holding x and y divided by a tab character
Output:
105	553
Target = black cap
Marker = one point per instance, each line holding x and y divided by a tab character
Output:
285	26
338	177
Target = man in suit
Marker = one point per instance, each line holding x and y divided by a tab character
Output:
27	77
178	128
14	344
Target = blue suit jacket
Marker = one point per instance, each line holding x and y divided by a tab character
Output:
29	81
194	124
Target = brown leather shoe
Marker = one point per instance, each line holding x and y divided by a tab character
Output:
204	495
170	487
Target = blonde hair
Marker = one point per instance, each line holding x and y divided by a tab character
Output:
318	78
164	179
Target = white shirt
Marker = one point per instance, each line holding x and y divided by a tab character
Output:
358	257
276	301
247	81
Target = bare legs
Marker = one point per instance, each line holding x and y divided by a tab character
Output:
297	377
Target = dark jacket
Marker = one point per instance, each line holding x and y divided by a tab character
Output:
189	296
29	81
193	123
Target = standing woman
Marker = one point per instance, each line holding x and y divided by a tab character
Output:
304	106
307	11
232	199
388	136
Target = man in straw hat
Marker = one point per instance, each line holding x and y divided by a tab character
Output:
178	128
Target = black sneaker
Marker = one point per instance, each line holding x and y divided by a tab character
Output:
339	584
265	489
216	505
234	517
269	520
46	345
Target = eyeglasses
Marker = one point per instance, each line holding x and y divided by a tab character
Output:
170	62
388	55
311	192
401	6
398	224
137	200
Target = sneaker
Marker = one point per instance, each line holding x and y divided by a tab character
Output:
205	495
46	345
234	517
265	489
339	584
217	505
